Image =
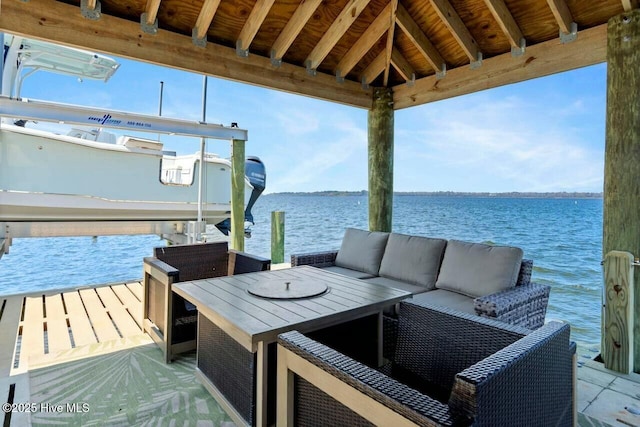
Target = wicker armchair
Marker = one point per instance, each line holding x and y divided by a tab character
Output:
449	369
168	318
524	305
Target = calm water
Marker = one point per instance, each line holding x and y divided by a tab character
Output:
562	236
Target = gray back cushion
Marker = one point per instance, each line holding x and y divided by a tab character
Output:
476	269
412	259
362	250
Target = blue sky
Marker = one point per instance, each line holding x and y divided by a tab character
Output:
542	135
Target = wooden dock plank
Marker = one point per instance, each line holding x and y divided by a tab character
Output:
32	330
102	325
123	320
9	323
78	320
136	288
57	329
130	302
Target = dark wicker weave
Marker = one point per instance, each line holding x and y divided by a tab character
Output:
190	262
229	367
180	263
452	368
525	305
316	259
194	262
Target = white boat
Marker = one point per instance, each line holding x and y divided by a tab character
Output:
91	174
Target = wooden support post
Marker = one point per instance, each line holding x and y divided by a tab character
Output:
277	237
617	312
621	221
237	194
381	160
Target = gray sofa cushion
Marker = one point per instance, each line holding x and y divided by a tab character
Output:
412	259
349	272
453	300
362	250
414	289
476	269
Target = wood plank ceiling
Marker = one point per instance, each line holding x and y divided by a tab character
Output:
336	50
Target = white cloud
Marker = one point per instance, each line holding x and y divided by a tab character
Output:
497	145
322	160
298	122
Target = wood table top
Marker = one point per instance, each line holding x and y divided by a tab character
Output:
250	319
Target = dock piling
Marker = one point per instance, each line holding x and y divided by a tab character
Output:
621	204
277	237
237	194
380	150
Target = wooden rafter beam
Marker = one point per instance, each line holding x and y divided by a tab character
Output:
419	39
293	28
508	25
58	22
374	69
542	59
562	14
400	63
364	43
452	20
349	14
205	18
630	5
390	38
151	11
253	23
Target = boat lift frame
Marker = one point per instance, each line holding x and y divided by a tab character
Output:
88	116
176	231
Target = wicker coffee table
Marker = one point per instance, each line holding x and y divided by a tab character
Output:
237	330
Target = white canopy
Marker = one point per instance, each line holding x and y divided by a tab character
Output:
27	55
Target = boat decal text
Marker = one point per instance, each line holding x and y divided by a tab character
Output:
106	119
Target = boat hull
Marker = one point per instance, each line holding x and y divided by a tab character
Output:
46	177
18	206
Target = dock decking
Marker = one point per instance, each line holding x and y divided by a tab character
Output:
49	328
42	328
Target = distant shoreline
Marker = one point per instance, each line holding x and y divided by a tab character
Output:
505	195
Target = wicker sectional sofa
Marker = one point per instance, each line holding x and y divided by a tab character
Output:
448	369
489	281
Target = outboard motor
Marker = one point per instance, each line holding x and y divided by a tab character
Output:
254	170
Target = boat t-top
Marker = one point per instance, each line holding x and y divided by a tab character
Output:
92	181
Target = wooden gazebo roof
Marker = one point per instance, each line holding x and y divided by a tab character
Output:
336	50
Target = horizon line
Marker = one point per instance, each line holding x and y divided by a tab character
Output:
557	194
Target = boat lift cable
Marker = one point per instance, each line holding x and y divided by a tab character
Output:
160	103
202	148
2	61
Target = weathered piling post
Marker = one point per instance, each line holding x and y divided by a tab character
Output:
617	312
237	194
621	222
277	237
381	160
